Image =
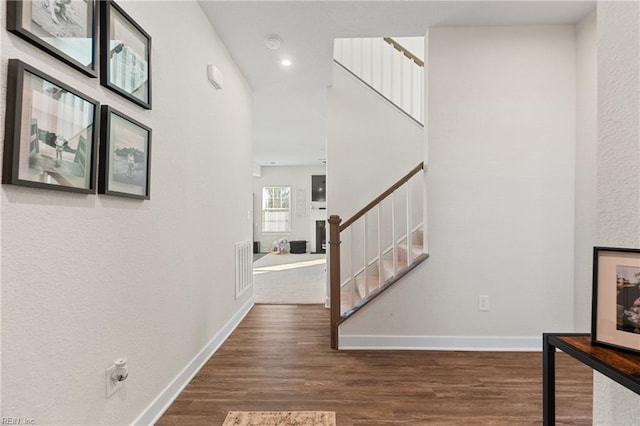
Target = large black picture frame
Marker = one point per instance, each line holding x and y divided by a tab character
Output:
55	29
615	316
125	156
125	55
51	133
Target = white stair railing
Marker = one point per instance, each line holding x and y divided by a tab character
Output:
380	243
388	68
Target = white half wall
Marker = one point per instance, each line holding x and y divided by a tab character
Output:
370	145
618	160
304	212
90	278
500	185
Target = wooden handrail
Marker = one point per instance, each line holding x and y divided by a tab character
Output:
381	197
400	48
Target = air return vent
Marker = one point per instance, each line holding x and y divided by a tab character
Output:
244	267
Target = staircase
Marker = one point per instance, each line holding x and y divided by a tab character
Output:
376	247
372	250
365	286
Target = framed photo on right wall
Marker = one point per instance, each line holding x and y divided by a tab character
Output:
125	55
615	319
125	156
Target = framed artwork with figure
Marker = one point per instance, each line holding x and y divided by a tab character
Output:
51	132
125	156
615	317
66	29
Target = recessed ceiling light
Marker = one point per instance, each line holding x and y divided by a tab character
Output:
286	63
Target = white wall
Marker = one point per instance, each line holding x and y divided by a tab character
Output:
370	145
500	183
586	171
302	219
618	160
88	278
303	109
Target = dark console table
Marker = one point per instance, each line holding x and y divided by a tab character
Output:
620	366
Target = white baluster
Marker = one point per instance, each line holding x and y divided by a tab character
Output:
409	225
352	58
366	261
391	73
394	240
361	55
412	70
422	95
382	74
403	61
371	62
380	269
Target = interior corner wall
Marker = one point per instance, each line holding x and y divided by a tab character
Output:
90	278
500	188
586	170
304	212
618	165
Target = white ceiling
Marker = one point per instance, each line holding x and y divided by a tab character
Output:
290	103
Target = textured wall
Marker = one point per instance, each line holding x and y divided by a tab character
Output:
618	166
500	183
88	278
370	145
586	171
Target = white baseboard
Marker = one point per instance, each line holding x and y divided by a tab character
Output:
157	408
442	343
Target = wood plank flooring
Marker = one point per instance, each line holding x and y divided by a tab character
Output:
279	359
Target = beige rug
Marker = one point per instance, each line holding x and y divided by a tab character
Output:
280	418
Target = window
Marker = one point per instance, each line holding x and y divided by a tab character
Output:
276	209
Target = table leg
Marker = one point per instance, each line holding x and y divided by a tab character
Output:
548	382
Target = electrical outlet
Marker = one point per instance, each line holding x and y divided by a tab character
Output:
112	386
483	303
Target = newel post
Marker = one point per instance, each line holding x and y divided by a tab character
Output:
334	276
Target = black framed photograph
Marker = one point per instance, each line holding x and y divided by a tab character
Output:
66	29
615	317
51	132
125	59
125	156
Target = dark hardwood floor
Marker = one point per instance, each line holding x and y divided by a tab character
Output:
279	359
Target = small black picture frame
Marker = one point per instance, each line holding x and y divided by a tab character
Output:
615	319
65	30
51	133
125	55
125	156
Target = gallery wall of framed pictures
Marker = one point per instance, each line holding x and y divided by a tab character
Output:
54	132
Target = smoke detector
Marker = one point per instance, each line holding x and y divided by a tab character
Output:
273	41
